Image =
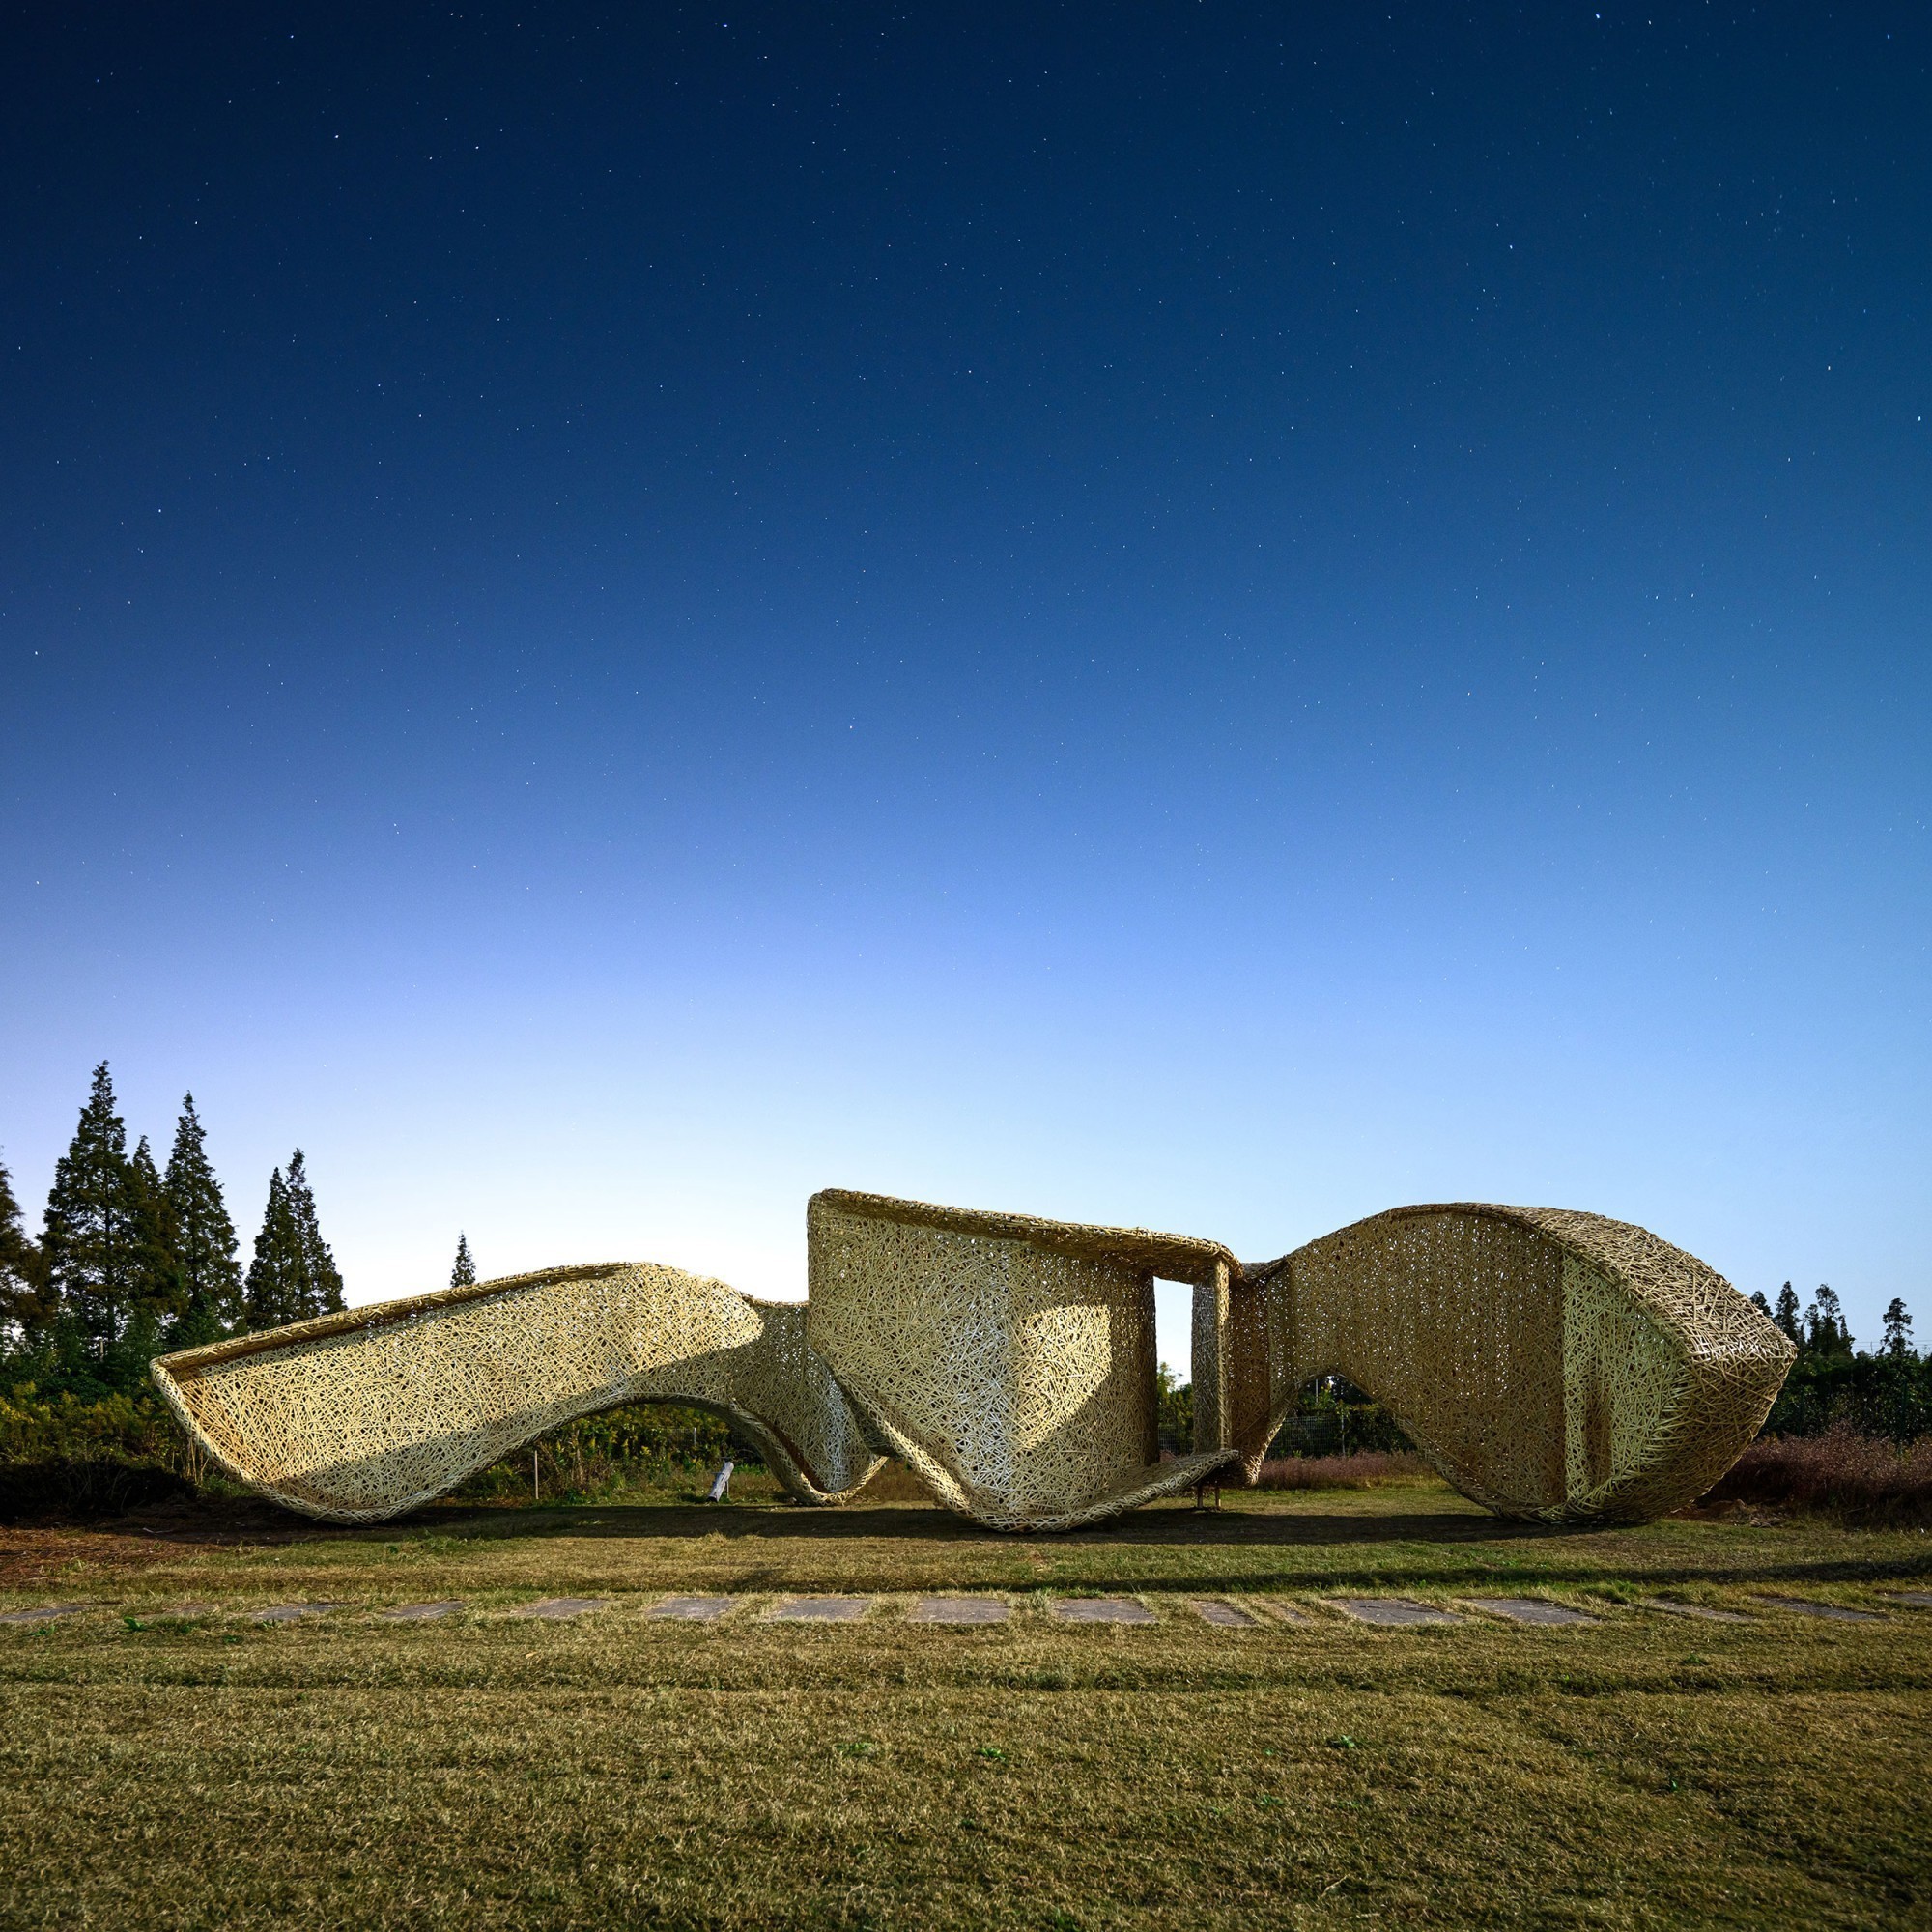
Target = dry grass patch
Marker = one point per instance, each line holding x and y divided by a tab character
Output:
1369	1470
481	1771
1859	1478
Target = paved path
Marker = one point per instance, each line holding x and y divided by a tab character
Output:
1801	1607
1100	1610
983	1611
1529	1610
958	1610
1392	1611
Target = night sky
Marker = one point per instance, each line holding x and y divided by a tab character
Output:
1207	617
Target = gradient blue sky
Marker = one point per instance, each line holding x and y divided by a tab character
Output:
1220	617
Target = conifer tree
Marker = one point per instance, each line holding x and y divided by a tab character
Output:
464	1273
26	1308
320	1283
1786	1315
1897	1329
1762	1306
1825	1330
273	1294
204	1236
158	1287
88	1241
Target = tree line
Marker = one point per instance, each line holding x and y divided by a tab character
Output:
133	1259
1882	1391
1821	1328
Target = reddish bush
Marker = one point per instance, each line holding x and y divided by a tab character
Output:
1862	1477
1341	1472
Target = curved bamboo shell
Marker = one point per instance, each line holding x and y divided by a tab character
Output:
1550	1364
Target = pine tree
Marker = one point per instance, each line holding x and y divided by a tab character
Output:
293	1275
322	1284
88	1241
464	1273
1762	1306
157	1284
1786	1316
1897	1329
1825	1330
26	1308
273	1292
204	1236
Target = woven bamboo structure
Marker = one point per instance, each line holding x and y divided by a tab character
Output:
1550	1364
363	1416
1008	1361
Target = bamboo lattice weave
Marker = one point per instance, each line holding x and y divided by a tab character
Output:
1010	1361
359	1416
1549	1363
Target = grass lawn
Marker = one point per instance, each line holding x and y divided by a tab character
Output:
159	1768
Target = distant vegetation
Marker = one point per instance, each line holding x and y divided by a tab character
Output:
1331	1418
133	1260
1363	1469
1882	1392
1861	1479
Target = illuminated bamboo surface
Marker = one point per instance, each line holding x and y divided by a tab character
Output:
1550	1364
1010	1361
361	1416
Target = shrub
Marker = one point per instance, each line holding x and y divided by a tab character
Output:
1871	1395
133	1427
1366	1471
642	1445
70	1487
1332	1417
65	1455
1860	1478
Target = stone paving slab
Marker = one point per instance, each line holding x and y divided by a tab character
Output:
1837	1613
1101	1610
1391	1613
288	1614
1917	1600
821	1610
1703	1612
958	1610
1223	1617
694	1609
558	1609
42	1613
1529	1610
415	1613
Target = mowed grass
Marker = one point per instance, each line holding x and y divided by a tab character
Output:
201	1770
